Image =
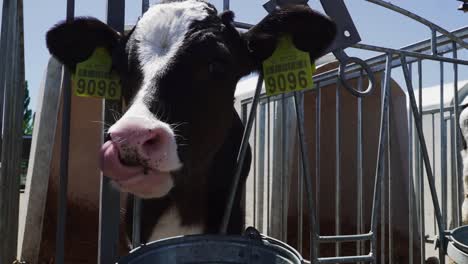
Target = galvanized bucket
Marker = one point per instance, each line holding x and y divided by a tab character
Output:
214	249
457	246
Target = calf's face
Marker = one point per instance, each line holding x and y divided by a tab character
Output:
179	67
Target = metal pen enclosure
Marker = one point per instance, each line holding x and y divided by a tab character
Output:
278	123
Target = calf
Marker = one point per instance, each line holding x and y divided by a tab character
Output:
464	155
176	145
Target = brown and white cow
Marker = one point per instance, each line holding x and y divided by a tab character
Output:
176	145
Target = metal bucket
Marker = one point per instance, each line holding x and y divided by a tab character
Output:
214	249
457	247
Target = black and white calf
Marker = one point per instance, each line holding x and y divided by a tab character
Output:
176	144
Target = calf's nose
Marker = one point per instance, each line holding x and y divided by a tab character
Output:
139	141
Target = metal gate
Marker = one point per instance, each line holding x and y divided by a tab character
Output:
435	185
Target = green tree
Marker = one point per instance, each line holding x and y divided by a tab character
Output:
27	113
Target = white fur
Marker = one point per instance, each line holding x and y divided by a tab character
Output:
160	33
464	154
169	225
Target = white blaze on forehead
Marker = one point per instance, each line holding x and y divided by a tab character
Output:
161	32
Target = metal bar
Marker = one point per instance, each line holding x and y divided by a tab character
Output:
345	238
421	172
136	223
456	134
433	42
5	27
401	53
225	5
434	158
380	155
109	207
338	167
144	6
283	166
437	110
389	175
261	166
300	198
347	259
255	161
318	112
241	155
313	235
421	20
64	153
383	218
9	182
453	173
443	149
359	156
430	177
269	166
13	170
410	178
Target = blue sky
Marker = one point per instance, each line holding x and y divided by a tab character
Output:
375	24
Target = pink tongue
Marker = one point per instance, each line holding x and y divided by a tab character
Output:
111	165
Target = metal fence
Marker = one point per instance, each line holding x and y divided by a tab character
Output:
282	144
433	164
11	113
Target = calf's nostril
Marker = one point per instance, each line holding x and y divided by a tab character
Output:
107	137
152	142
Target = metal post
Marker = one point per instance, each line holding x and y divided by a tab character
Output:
144	6
3	55
241	155
313	234
261	167
318	111
10	159
359	156
443	148
380	155
338	169
411	188
456	134
420	168
430	178
64	154
109	209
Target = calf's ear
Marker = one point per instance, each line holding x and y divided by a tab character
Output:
311	32
73	42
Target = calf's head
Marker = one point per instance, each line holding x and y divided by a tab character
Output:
179	67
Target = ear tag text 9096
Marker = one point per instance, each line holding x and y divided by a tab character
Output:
288	69
93	77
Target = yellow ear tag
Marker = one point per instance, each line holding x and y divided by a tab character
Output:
93	77
288	69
